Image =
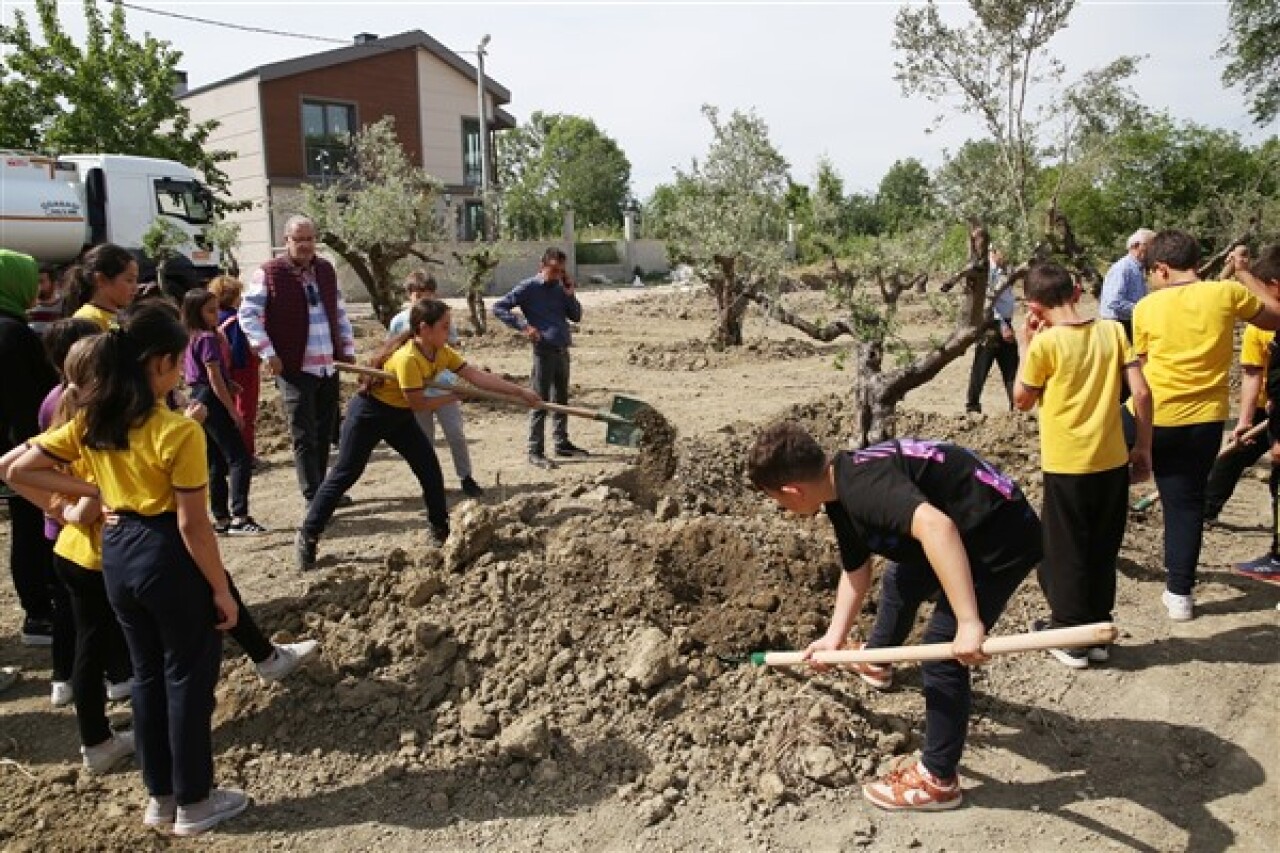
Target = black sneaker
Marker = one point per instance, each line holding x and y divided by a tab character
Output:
245	527
37	632
471	488
305	550
441	535
568	450
537	460
221	526
1073	658
346	500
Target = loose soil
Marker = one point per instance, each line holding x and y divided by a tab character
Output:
566	673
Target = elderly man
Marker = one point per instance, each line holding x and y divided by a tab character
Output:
1126	282
295	319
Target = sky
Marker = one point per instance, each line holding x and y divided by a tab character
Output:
820	74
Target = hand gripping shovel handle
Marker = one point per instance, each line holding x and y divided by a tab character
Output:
476	393
1097	634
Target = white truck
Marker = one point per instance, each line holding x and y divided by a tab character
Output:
54	208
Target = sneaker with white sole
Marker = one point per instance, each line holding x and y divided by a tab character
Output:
1099	654
222	804
119	691
875	675
103	757
1072	658
1181	607
60	694
910	787
161	811
286	659
245	527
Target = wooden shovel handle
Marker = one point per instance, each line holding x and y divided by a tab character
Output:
1097	634
475	393
1254	431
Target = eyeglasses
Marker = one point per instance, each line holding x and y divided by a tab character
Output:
313	294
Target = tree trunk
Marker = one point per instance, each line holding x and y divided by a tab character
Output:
475	304
731	304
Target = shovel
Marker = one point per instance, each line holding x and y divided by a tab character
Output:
621	429
1079	636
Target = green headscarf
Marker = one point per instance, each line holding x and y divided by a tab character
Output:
19	279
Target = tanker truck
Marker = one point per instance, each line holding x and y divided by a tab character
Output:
54	208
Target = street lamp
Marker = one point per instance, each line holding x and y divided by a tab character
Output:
484	134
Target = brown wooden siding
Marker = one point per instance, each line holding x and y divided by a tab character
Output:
386	84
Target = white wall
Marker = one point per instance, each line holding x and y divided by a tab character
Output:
237	108
446	97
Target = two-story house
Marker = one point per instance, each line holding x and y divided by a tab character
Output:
287	121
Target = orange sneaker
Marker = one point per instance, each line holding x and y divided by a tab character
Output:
910	787
877	675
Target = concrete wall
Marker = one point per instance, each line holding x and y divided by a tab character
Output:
236	107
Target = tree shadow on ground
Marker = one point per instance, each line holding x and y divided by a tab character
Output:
1175	771
478	790
1250	644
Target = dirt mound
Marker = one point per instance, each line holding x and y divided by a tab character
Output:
695	355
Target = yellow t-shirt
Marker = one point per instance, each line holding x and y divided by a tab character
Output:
166	454
81	543
413	370
1079	370
1255	351
104	318
1185	332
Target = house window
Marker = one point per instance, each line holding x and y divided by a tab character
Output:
473	221
326	137
471	152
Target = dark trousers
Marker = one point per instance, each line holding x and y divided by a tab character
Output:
369	421
550	380
1227	469
30	559
947	690
165	608
1273	486
64	625
1084	518
100	648
246	633
228	458
1181	458
311	408
1005	354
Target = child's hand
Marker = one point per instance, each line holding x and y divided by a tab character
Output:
238	420
87	510
228	611
825	643
530	396
1139	465
967	646
196	411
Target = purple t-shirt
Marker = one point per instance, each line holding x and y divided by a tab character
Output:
45	417
205	347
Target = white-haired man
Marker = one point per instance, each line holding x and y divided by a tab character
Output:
1126	282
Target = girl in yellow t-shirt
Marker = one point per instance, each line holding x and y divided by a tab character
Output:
384	412
160	560
103	283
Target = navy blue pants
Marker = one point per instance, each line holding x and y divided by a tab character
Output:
100	649
948	695
165	608
1226	471
228	458
368	422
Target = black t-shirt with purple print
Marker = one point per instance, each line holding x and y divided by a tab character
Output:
880	487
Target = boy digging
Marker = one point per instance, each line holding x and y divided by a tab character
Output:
949	521
1075	368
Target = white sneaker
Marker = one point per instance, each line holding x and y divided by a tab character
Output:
1179	606
106	755
161	811
221	804
286	659
1099	654
121	691
61	694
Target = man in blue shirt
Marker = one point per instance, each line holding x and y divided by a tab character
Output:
547	302
1126	282
998	346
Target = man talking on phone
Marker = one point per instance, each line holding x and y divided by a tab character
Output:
547	303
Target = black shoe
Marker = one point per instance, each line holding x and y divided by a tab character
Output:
37	632
346	500
537	460
305	551
568	450
471	488
441	535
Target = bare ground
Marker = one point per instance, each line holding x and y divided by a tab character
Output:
565	675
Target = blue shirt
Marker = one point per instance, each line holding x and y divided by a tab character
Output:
546	306
1124	285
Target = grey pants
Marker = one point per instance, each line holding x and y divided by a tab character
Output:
450	418
550	380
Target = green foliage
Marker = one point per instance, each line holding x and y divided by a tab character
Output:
905	195
1252	46
114	95
161	241
382	210
555	161
597	252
